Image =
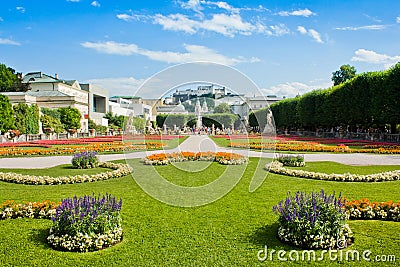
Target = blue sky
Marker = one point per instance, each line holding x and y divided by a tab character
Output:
285	47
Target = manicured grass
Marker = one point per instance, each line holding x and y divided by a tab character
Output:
61	170
228	232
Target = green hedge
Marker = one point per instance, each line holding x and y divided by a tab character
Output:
369	99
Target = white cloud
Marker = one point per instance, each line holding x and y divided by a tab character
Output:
373	57
374	19
199	5
1	19
76	1
225	24
301	12
126	17
8	42
310	32
226	21
398	19
367	27
193	53
113	48
276	30
291	89
225	6
119	86
228	25
194	5
95	4
177	22
20	9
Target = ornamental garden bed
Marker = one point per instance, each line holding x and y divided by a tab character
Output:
278	168
295	144
220	157
113	144
86	223
229	231
118	170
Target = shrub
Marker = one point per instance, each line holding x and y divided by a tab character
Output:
291	160
87	223
315	220
85	160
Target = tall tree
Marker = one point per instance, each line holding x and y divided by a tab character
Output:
10	81
70	117
346	72
6	114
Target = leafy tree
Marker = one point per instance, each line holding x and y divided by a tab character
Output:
51	122
116	121
346	72
11	81
26	118
70	118
139	123
222	108
55	113
98	128
6	114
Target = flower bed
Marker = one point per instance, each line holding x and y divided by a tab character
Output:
86	224
119	170
72	149
366	210
85	160
317	145
278	168
37	210
313	221
220	157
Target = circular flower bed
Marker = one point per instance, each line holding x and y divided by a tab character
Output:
220	157
278	168
86	224
313	221
119	170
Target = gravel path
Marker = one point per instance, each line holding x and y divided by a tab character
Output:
196	143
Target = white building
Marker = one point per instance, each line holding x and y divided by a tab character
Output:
122	105
52	92
98	103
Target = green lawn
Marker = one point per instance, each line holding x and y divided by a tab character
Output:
61	170
228	232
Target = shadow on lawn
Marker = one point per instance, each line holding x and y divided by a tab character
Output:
39	237
267	236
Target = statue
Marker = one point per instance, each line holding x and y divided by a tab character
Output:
269	129
129	125
198	111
